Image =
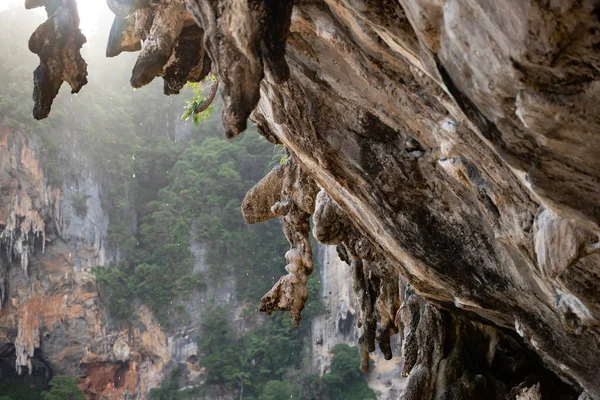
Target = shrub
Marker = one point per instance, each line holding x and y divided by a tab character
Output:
63	388
80	204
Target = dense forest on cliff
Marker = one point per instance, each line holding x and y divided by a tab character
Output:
172	190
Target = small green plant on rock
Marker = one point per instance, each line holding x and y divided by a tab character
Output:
80	204
199	108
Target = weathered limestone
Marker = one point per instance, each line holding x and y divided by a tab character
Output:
169	41
51	312
244	39
286	191
57	42
458	139
375	284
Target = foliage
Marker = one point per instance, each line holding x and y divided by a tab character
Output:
63	388
20	391
197	100
116	288
345	381
80	204
193	194
277	390
280	156
248	362
344	363
264	363
170	389
221	351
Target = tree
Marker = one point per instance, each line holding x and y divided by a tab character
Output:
170	388
277	390
20	389
345	382
221	350
63	388
345	363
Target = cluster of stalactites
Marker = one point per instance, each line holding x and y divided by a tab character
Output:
288	192
169	41
179	40
185	40
28	339
23	230
375	285
20	234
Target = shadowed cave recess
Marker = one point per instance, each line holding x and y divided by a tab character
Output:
449	149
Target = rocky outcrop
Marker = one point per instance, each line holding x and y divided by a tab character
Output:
52	315
286	191
338	324
449	356
456	138
24	208
58	43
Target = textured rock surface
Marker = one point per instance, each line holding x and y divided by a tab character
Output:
457	138
442	185
57	42
446	356
51	316
286	191
338	325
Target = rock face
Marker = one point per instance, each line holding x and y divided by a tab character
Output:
51	316
338	325
455	145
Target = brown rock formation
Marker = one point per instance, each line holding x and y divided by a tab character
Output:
57	42
459	140
286	191
51	313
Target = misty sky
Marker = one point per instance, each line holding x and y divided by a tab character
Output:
90	12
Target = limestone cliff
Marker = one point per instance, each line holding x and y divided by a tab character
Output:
52	317
454	148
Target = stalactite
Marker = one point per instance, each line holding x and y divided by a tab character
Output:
19	236
57	42
286	191
375	284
